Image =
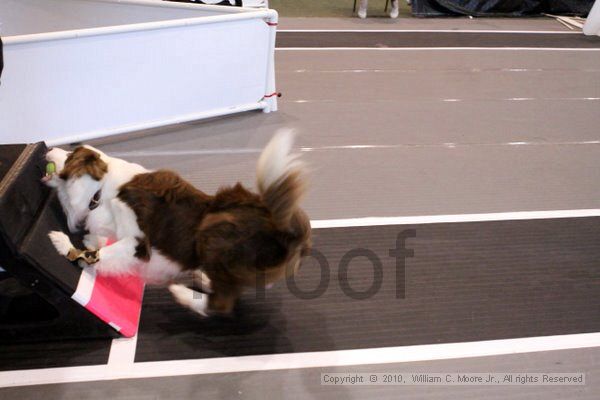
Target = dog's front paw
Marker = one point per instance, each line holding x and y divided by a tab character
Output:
61	242
94	242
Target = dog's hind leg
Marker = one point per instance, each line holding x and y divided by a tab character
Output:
194	300
223	297
202	281
218	303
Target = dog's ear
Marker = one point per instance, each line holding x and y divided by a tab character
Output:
83	161
90	156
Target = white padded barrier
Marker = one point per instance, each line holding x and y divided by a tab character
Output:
592	23
82	69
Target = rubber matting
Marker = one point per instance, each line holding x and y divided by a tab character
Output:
434	39
466	282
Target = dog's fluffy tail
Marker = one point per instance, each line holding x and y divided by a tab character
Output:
281	178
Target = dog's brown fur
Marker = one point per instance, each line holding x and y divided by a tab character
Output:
83	161
236	237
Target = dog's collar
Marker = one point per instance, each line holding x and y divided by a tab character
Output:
95	202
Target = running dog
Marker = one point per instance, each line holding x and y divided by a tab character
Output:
163	227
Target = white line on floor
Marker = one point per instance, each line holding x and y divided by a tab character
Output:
432	70
452	100
122	352
436	48
453	218
235	151
450	145
336	358
430	31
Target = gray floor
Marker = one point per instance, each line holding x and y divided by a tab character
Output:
435	156
306	383
430	157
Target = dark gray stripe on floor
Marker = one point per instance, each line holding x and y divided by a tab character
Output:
466	282
66	353
433	39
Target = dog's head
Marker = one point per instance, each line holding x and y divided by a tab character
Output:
77	178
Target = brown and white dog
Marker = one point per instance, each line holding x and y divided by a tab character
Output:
163	227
